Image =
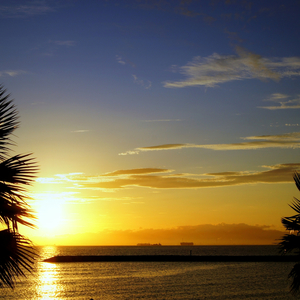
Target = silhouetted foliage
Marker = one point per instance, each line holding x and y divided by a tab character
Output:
17	254
291	242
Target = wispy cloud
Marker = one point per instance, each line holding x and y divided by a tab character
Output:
68	43
80	131
129	152
133	200
217	69
284	102
120	60
123	61
51	47
12	73
183	7
60	178
164	120
144	83
293	136
292	125
27	9
288	140
137	171
165	179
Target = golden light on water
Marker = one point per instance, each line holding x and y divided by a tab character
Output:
48	286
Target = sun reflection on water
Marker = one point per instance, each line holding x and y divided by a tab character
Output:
48	276
48	281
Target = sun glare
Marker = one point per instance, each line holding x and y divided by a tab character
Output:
50	212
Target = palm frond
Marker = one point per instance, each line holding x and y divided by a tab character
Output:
291	223
295	275
16	173
297	180
289	243
8	122
295	205
17	256
11	214
19	169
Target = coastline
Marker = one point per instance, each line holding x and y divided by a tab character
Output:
172	258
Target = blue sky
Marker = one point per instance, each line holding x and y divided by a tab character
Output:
156	102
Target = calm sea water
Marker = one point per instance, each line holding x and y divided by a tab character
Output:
154	280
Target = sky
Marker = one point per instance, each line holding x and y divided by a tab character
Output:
156	121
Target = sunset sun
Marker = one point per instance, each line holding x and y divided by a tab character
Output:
50	213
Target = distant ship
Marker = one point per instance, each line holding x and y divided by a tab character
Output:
148	244
187	244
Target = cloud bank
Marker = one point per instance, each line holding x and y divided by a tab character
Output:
217	69
156	178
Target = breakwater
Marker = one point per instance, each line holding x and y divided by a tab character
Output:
171	258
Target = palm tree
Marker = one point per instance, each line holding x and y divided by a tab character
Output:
291	242
17	254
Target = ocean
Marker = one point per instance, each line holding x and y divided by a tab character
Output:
154	280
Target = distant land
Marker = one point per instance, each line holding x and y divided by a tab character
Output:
206	234
172	258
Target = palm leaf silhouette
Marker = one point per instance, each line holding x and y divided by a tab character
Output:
297	180
295	276
17	254
291	242
8	122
